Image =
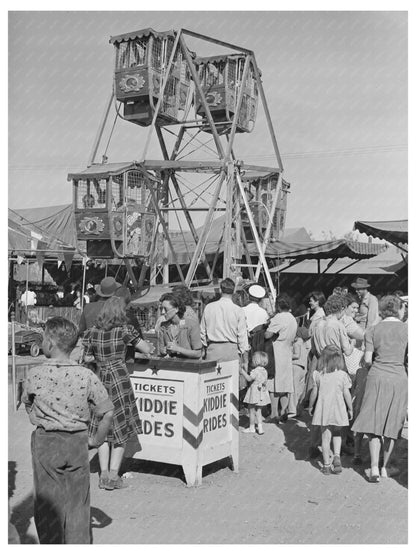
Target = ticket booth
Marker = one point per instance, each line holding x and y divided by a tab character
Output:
189	411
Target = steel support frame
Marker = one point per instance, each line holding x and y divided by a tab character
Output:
227	164
177	188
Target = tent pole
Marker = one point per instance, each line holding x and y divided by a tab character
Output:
84	271
99	135
13	320
27	286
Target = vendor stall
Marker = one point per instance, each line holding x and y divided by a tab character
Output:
189	411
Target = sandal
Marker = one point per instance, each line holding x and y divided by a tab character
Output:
326	469
389	472
336	465
115	484
383	472
374	478
102	482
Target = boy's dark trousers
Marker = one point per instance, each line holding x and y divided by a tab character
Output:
62	486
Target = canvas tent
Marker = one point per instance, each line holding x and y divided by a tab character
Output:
321	249
393	231
55	223
184	244
387	262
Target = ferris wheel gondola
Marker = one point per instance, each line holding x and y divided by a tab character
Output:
141	63
222	77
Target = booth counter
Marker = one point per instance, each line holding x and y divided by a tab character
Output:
189	411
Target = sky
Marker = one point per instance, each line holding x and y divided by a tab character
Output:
335	84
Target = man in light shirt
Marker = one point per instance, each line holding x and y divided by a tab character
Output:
224	328
368	311
28	298
255	315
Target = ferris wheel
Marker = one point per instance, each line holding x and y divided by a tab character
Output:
144	211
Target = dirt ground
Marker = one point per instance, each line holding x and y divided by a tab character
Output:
278	496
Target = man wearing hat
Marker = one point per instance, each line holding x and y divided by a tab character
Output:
255	315
106	289
368	312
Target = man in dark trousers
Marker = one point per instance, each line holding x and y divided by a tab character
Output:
59	396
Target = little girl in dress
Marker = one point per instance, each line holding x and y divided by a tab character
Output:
331	405
257	395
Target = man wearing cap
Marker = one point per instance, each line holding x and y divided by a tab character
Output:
255	315
368	312
224	328
108	286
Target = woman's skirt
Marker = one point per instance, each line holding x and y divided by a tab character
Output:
126	420
384	405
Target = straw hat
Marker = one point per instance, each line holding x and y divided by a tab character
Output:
108	286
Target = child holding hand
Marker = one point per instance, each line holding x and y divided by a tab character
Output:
331	404
257	395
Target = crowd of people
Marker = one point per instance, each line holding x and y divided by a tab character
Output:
342	359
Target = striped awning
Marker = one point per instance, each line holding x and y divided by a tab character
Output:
393	231
320	249
104	171
142	33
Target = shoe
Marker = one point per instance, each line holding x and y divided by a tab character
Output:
374	478
326	469
249	431
270	420
116	484
336	465
102	482
347	450
357	460
314	452
260	431
283	418
389	472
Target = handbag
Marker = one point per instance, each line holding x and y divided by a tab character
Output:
353	361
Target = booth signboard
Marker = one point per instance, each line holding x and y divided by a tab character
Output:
160	405
189	412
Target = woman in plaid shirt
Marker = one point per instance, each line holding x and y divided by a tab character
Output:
107	341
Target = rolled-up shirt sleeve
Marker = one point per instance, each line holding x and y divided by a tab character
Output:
344	340
98	396
242	334
27	396
372	316
195	336
204	339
